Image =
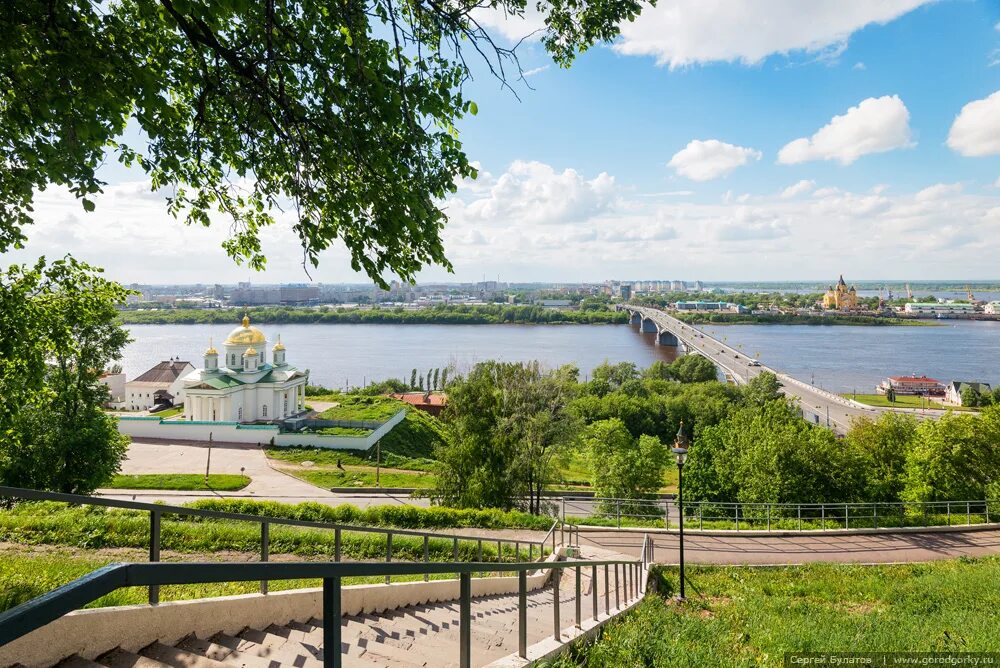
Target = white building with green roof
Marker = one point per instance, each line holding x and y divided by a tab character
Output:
245	387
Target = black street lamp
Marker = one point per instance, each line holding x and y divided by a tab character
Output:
681	450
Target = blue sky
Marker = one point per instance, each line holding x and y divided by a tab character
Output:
658	156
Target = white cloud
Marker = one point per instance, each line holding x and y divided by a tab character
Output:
753	225
876	125
976	130
996	184
679	33
711	159
938	191
537	193
859	66
826	192
799	188
528	24
536	70
997	26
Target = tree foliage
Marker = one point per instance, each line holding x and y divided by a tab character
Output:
506	423
341	114
59	333
623	467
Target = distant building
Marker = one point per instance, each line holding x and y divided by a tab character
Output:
678	286
953	393
116	388
940	309
625	291
429	402
912	385
553	303
841	298
242	386
711	306
160	386
993	308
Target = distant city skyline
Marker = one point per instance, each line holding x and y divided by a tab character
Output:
841	136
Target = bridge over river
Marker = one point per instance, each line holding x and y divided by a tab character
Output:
819	406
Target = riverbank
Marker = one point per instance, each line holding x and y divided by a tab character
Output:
485	314
790	319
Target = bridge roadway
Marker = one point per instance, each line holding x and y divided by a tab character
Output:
818	406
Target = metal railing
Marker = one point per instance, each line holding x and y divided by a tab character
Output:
782	516
629	587
157	511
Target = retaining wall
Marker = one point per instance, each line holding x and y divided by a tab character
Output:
234	432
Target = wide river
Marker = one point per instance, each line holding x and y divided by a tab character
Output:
835	357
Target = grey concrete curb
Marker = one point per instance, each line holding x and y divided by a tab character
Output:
785	533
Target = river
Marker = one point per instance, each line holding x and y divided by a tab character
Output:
838	358
349	355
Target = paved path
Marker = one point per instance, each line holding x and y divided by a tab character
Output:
868	548
156	456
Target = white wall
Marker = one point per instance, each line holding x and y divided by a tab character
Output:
231	432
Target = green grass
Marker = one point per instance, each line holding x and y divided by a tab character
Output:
737	616
902	401
344	431
24	577
573	470
170	412
48	523
222	482
363	478
326	458
359	407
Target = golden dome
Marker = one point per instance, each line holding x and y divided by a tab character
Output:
211	349
250	353
278	346
245	335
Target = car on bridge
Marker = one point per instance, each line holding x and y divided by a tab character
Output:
753	363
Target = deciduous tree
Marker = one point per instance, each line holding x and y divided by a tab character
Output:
60	332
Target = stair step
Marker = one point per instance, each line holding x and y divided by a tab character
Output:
180	658
221	653
77	661
120	658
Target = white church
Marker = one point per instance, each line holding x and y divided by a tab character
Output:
244	387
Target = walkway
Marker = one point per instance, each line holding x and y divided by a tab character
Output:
154	456
865	548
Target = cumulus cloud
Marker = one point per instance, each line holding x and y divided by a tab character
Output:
711	159
679	33
876	125
938	191
796	189
976	130
537	193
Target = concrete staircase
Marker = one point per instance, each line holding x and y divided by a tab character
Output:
423	635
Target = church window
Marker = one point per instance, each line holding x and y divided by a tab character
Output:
234	360
239	413
286	404
263	410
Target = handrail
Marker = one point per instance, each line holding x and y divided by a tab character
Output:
32	615
163	509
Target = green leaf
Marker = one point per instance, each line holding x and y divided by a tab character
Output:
87	205
473	108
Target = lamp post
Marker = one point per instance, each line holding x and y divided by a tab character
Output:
681	450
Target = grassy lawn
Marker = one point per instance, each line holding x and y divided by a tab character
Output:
323	458
363	477
222	482
359	407
89	527
26	576
902	401
753	616
170	412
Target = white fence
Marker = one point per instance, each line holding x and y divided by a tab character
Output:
234	432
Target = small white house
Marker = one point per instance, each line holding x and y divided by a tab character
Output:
160	385
953	393
116	388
